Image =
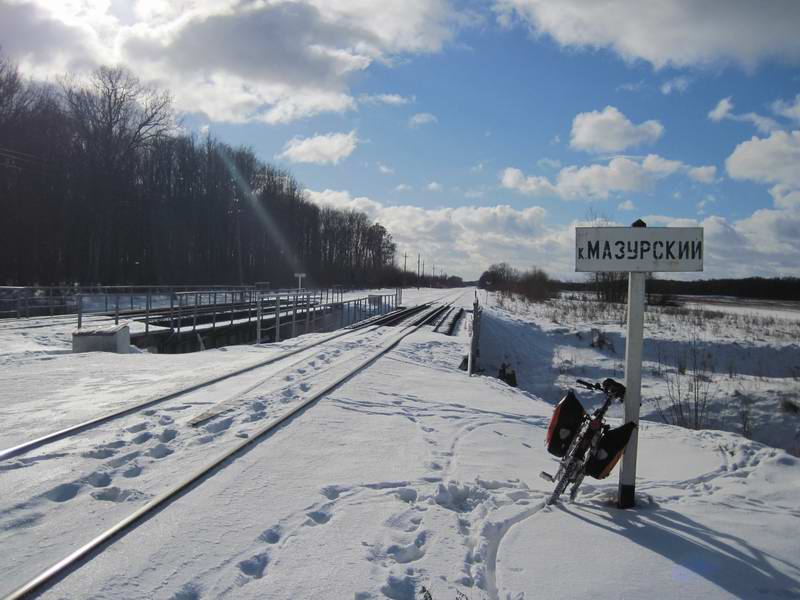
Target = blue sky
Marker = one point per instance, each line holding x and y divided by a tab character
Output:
531	117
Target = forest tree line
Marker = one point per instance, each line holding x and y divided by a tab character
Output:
99	186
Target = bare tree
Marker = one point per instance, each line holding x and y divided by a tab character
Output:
115	114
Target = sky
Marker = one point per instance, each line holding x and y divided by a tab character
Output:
480	132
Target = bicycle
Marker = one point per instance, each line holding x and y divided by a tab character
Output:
585	444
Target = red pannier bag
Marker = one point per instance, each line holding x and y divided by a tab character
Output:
609	451
564	424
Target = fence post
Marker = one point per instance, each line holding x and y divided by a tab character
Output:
147	301
258	321
116	310
308	311
278	318
294	316
80	311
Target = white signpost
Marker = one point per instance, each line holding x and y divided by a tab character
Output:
637	250
299	280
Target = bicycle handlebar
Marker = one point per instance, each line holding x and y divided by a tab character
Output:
611	388
591	386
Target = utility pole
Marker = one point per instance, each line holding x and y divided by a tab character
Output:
405	260
418	257
423	270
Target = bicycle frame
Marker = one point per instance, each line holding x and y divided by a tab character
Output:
583	447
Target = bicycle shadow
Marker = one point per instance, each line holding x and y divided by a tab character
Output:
726	560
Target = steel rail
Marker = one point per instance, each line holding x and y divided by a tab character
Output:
55	436
75	559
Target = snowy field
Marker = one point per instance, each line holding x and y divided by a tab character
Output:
745	365
410	474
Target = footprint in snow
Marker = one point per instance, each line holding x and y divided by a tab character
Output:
410	553
99	479
99	453
160	451
142	437
271	535
190	591
138	427
332	492
217	426
63	492
167	435
254	566
132	471
318	517
115	494
125	458
400	588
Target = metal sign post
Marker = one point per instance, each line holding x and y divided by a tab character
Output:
637	250
299	280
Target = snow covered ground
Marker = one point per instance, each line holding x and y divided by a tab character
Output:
410	474
745	364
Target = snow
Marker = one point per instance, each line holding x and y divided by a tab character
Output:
409	474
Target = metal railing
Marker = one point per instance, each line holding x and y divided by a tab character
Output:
317	313
38	301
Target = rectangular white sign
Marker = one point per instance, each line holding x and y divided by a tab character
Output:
638	249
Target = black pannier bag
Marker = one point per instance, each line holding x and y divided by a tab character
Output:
564	424
609	451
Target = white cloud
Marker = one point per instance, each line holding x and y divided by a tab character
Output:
466	239
724	110
479	167
611	131
789	110
386	170
403	187
390	99
678	33
774	159
420	119
703	174
765	243
532	185
660	165
329	148
721	110
676	84
234	61
344	201
626	205
599	181
785	196
434	186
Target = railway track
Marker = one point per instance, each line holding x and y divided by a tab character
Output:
22	448
409	321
